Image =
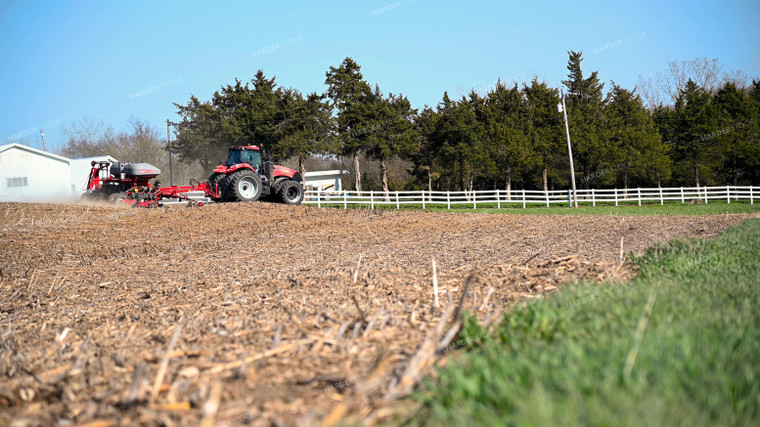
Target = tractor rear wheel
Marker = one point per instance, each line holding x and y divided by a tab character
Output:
244	186
217	181
290	192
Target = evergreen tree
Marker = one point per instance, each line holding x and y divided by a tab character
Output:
252	113
200	135
239	114
438	140
308	128
637	147
350	97
506	135
696	152
426	152
754	95
546	134
585	114
459	136
736	134
753	157
393	133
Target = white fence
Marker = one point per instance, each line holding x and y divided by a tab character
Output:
499	198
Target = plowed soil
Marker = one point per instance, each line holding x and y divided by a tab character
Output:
260	314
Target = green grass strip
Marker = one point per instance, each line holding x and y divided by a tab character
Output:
581	356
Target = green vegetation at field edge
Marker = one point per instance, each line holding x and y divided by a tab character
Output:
566	360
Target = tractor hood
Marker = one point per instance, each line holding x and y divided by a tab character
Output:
283	170
287	172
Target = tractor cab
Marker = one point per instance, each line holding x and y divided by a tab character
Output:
244	154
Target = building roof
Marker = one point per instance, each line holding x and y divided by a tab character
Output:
325	173
35	151
91	158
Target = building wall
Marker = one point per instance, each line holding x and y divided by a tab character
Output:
329	184
324	180
47	178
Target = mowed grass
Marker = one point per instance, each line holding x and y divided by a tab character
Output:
712	208
593	354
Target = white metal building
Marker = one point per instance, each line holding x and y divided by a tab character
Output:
28	174
324	180
80	172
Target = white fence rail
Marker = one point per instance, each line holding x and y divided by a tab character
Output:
499	198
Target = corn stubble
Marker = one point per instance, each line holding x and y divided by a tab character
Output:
251	313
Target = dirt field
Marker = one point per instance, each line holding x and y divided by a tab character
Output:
258	314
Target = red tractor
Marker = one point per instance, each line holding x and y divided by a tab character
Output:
242	178
245	178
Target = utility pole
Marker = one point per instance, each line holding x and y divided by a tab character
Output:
169	147
569	147
44	147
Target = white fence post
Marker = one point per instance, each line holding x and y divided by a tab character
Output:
345	200
728	194
448	199
705	194
372	199
423	200
398	206
474	199
498	199
319	203
662	201
616	199
546	195
682	199
639	192
523	198
593	198
751	199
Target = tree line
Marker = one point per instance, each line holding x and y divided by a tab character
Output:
511	137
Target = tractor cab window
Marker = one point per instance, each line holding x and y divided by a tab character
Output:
244	156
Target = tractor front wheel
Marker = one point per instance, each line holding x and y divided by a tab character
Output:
244	186
290	192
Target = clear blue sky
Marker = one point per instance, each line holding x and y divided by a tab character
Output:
61	61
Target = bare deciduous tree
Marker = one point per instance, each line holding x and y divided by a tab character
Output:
650	93
739	78
706	73
89	137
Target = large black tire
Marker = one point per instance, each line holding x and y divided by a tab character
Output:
243	186
290	192
217	180
273	188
